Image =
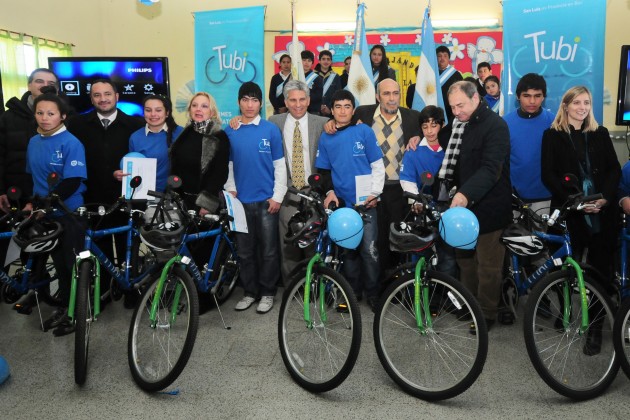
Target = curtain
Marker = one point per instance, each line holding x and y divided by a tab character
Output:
21	54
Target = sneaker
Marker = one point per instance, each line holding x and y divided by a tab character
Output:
244	303
57	317
64	328
265	304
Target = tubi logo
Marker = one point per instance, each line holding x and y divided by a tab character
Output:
235	62
264	146
358	148
559	51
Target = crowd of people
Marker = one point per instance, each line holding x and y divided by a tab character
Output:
367	155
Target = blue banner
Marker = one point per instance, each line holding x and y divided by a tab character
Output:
229	52
544	37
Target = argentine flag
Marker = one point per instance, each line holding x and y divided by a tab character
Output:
428	90
360	81
297	71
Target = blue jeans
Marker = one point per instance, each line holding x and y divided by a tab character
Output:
361	266
259	251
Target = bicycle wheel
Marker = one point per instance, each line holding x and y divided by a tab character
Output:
83	320
225	272
445	359
157	356
320	358
621	335
566	359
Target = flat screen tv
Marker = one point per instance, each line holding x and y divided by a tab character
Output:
135	77
623	95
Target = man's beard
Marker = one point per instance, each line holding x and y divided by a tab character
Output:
390	111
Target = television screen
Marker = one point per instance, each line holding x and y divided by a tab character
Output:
135	77
623	95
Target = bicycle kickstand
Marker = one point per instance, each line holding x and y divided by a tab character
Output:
220	313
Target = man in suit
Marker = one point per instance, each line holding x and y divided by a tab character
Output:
300	131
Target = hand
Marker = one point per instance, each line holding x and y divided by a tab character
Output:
5	206
371	202
330	198
330	128
596	206
233	193
274	206
625	204
203	212
417	208
413	143
235	122
324	110
119	174
459	200
28	207
282	109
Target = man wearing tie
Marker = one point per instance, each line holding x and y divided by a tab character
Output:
300	136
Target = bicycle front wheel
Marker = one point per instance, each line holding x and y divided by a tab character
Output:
576	364
158	354
225	272
320	356
83	318
437	361
621	335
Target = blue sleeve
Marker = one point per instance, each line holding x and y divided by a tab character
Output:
408	170
322	161
372	149
277	151
624	182
74	165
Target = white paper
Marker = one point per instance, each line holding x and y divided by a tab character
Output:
13	253
236	210
364	188
144	167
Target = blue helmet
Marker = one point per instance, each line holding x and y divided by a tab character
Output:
459	228
345	228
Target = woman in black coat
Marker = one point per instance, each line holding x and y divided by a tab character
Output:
576	144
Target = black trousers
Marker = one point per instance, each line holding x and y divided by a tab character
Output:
391	209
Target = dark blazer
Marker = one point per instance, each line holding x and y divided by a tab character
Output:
315	129
410	120
103	151
277	101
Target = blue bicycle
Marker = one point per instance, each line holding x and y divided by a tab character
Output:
621	328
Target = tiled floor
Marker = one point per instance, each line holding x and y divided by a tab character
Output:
238	373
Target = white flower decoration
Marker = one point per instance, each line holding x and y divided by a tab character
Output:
326	46
457	51
447	38
349	40
418	39
484	51
385	40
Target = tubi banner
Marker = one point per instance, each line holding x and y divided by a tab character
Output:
229	52
541	36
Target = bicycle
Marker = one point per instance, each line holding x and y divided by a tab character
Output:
160	342
621	327
319	324
422	324
567	312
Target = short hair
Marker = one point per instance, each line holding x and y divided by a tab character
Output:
325	53
442	49
295	85
106	81
492	78
342	95
468	88
31	76
484	64
213	106
432	112
378	85
561	121
531	81
63	107
251	90
307	55
283	56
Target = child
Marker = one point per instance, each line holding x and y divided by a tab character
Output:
494	97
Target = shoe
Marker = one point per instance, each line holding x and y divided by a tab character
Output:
57	317
130	299
244	303
64	328
265	304
593	343
489	324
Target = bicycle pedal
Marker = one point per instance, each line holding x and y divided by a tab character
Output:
23	309
343	308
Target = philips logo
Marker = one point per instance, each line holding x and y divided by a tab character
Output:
140	70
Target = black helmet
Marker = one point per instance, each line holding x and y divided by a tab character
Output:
164	231
303	228
406	237
521	241
37	235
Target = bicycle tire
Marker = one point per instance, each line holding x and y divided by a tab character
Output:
83	320
319	358
559	354
157	356
621	335
226	260
445	360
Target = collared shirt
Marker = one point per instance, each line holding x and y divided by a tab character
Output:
255	121
287	135
147	130
111	118
378	113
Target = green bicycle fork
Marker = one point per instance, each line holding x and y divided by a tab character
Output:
178	259
317	259
97	285
570	262
421	291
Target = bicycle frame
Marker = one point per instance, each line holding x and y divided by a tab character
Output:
323	254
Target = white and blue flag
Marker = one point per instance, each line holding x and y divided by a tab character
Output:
360	77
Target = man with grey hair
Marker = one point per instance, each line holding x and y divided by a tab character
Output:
300	136
477	164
